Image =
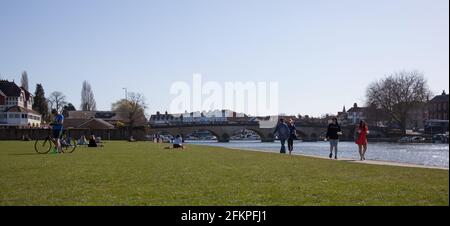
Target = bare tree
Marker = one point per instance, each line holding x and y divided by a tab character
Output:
57	100
376	115
132	109
398	94
24	80
87	98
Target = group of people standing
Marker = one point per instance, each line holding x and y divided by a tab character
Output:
288	132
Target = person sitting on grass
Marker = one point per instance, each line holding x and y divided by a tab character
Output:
65	139
98	140
69	140
25	138
177	143
82	140
93	142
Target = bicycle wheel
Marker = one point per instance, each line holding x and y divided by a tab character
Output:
70	148
43	146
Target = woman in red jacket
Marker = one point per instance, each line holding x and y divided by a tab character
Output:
362	131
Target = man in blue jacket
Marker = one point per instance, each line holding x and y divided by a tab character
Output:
283	134
57	129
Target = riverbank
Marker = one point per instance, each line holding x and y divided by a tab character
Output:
144	173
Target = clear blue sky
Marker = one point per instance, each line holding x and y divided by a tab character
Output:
324	53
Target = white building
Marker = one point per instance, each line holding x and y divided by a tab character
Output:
210	117
356	114
16	106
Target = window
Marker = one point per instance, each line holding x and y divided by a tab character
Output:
11	101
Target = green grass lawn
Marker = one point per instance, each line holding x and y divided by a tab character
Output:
144	173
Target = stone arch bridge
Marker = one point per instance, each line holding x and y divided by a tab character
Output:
223	132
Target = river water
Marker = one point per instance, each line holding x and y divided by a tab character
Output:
421	154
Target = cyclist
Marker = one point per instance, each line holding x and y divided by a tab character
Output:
57	128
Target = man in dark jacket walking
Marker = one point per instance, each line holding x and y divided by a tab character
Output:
333	132
283	134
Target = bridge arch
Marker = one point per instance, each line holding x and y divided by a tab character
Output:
191	131
265	134
238	130
300	134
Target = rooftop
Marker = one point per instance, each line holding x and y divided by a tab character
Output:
10	88
92	123
441	98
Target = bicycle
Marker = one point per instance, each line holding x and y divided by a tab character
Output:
43	146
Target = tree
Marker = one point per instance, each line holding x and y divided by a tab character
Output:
68	107
24	80
376	115
398	94
57	100
87	98
132	110
40	103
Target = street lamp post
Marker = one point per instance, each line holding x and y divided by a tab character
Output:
126	93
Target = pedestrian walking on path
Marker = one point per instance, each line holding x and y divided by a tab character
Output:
292	135
362	131
282	130
333	132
